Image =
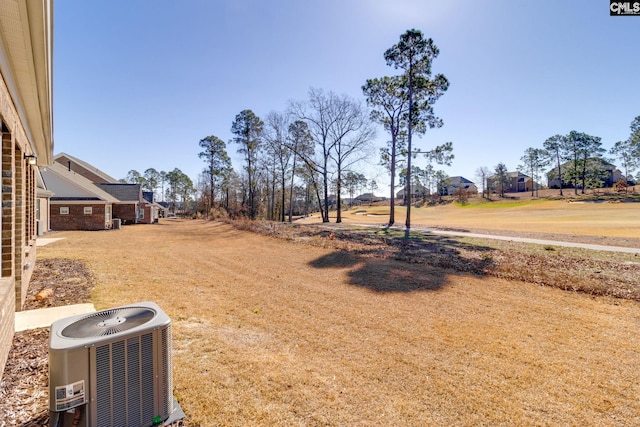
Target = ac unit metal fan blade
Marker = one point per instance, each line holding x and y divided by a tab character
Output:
108	322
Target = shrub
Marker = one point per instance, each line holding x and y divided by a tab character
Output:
620	186
462	196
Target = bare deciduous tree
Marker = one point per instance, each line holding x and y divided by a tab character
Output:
275	135
482	173
340	130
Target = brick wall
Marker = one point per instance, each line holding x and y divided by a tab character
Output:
126	212
17	219
7	325
76	219
20	220
8	205
148	214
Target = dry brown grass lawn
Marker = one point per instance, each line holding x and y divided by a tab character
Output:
270	332
540	216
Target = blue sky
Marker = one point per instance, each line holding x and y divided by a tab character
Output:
138	83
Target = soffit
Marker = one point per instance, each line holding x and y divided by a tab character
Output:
26	28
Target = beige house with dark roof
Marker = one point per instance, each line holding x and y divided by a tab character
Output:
26	123
76	203
85	198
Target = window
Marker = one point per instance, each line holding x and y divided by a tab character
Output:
64	210
140	213
107	213
88	210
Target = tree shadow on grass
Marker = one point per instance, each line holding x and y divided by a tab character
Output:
386	261
339	259
384	276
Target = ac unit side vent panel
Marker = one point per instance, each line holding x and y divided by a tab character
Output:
167	368
119	384
134	375
146	373
124	383
103	384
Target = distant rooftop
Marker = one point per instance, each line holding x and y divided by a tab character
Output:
122	192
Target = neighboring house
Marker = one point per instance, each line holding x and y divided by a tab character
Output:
26	125
516	182
131	208
156	210
43	201
608	174
368	198
85	198
456	183
76	203
417	191
164	211
128	205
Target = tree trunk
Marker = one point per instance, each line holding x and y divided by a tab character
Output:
282	209
584	173
293	175
559	171
392	207
325	180
408	221
338	198
533	184
320	207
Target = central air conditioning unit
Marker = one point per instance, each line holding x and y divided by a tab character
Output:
112	368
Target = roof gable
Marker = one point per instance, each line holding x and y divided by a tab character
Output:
458	180
65	184
83	168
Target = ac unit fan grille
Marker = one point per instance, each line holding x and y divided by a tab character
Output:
108	322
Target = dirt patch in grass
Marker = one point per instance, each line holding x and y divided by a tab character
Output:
319	328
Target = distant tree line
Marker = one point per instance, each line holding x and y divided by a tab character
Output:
575	160
176	188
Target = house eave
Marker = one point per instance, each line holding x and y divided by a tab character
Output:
78	201
26	64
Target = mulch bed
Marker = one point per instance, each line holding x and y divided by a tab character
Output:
24	392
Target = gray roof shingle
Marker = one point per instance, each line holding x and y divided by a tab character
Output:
122	192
